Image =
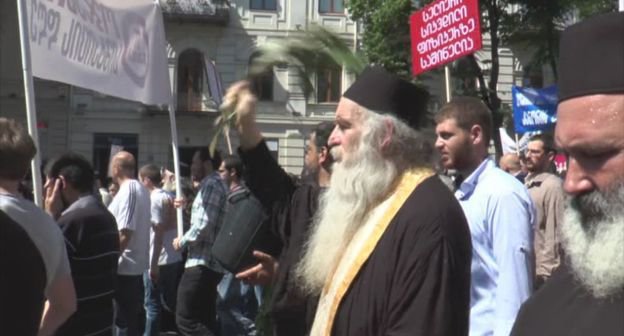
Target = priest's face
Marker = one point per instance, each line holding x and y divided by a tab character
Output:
358	184
346	136
589	129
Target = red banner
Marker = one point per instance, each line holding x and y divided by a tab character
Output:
444	31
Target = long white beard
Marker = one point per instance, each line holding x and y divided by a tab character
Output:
592	235
356	186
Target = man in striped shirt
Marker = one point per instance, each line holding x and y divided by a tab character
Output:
92	243
197	291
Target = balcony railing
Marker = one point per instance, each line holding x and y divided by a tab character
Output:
202	11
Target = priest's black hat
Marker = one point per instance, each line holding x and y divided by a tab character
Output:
591	57
383	92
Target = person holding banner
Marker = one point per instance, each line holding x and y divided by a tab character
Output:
197	290
585	295
500	214
160	283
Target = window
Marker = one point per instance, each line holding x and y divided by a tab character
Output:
263	5
105	144
331	6
328	84
262	85
190	80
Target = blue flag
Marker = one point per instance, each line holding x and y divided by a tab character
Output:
534	109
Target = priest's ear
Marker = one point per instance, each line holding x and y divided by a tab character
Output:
389	132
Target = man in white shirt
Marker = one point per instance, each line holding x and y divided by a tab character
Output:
161	282
131	208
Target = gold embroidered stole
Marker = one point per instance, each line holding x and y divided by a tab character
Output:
360	248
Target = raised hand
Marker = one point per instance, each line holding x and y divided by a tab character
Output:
239	104
52	202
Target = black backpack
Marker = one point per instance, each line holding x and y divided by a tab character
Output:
244	229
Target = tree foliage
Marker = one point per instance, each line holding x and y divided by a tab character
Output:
306	53
386	32
535	25
587	8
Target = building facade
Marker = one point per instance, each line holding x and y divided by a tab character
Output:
209	42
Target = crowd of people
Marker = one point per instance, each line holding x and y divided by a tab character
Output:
371	241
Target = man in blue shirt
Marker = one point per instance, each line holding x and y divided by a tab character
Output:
197	291
499	212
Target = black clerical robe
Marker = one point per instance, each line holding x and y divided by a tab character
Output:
292	208
563	307
416	281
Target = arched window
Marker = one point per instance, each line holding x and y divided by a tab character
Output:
262	85
190	80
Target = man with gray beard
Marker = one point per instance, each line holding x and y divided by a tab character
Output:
389	249
585	296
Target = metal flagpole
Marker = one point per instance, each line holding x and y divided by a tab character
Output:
447	82
29	94
176	163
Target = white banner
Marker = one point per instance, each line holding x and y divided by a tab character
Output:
116	47
509	145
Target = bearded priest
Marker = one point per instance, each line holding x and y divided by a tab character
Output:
389	250
585	295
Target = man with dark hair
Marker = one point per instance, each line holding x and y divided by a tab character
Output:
92	243
202	164
315	146
131	208
197	291
500	214
585	295
548	197
161	281
233	166
34	265
238	303
388	252
293	208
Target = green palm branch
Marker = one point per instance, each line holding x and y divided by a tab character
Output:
305	53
